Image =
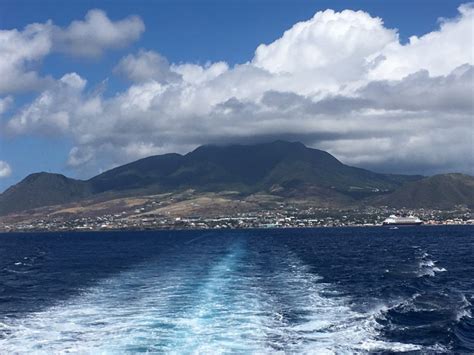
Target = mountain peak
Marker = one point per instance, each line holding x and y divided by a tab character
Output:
275	143
42	189
43	175
281	167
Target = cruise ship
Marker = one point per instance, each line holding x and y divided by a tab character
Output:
402	221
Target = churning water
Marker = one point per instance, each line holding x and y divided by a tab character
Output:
357	290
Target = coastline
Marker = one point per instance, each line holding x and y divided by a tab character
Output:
111	230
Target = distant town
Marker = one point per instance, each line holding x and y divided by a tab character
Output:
278	184
285	216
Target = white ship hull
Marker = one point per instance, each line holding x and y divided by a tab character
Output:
402	221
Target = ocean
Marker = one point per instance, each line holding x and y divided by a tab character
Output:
325	290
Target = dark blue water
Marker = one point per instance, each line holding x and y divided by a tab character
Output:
348	290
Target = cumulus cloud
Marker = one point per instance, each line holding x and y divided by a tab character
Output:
50	113
335	82
5	103
97	33
420	91
22	51
197	74
438	52
146	66
5	170
338	42
19	50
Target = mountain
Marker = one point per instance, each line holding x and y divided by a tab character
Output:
42	189
278	165
279	168
439	191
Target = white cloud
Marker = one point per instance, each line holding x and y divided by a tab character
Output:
79	157
197	74
438	52
5	170
19	50
146	66
50	112
420	91
338	42
5	103
22	51
97	33
332	82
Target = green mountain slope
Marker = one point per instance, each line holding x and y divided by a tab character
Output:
247	168
279	168
439	191
42	189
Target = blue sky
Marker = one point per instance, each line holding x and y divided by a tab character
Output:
200	31
204	33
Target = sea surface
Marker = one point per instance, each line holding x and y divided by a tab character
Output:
327	290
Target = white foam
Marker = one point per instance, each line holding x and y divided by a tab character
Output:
329	324
231	307
427	266
153	309
464	309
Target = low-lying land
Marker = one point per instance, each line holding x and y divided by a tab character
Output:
192	210
280	184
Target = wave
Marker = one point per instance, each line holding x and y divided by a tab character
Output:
464	327
326	321
153	307
427	266
13	271
465	309
215	299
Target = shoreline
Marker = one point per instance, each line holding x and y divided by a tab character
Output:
109	230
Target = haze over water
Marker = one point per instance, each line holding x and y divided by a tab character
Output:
315	290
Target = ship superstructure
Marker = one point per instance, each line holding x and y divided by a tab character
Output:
402	221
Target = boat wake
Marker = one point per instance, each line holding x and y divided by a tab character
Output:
233	299
314	317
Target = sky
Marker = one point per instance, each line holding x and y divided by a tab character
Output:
384	85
